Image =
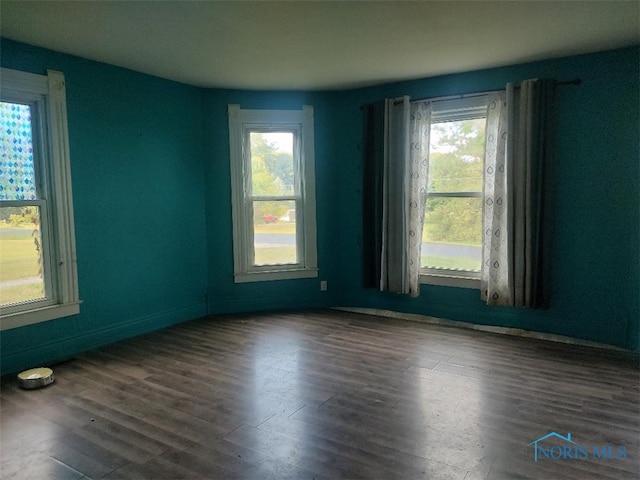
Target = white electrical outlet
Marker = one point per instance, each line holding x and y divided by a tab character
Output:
323	285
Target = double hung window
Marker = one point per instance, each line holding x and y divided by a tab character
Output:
273	193
452	235
38	278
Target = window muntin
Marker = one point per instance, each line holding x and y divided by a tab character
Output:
38	279
452	235
273	193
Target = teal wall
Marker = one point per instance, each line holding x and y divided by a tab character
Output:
151	185
138	192
225	295
595	194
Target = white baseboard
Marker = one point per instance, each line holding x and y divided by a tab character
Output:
517	332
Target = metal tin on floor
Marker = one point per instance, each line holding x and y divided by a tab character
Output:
35	378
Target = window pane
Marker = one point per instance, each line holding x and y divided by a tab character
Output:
21	278
452	236
456	154
272	170
274	227
17	174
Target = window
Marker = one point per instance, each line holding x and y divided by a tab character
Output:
38	279
273	194
452	236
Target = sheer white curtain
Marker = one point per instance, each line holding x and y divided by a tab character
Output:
406	161
497	282
516	160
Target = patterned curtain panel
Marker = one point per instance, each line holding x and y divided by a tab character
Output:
497	282
516	196
404	193
420	128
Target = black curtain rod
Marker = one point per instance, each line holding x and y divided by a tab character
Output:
575	81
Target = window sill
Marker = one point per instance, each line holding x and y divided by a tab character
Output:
29	317
459	281
275	275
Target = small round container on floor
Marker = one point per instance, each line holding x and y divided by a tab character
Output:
35	378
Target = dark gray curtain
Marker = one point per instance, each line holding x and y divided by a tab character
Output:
373	168
537	268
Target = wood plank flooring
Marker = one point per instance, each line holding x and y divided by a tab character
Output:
326	395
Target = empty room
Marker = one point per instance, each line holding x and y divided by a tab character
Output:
320	240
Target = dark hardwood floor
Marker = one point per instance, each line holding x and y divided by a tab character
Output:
320	395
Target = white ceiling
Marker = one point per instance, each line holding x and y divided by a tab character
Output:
316	45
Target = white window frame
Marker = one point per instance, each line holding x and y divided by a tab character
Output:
300	123
47	95
465	108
